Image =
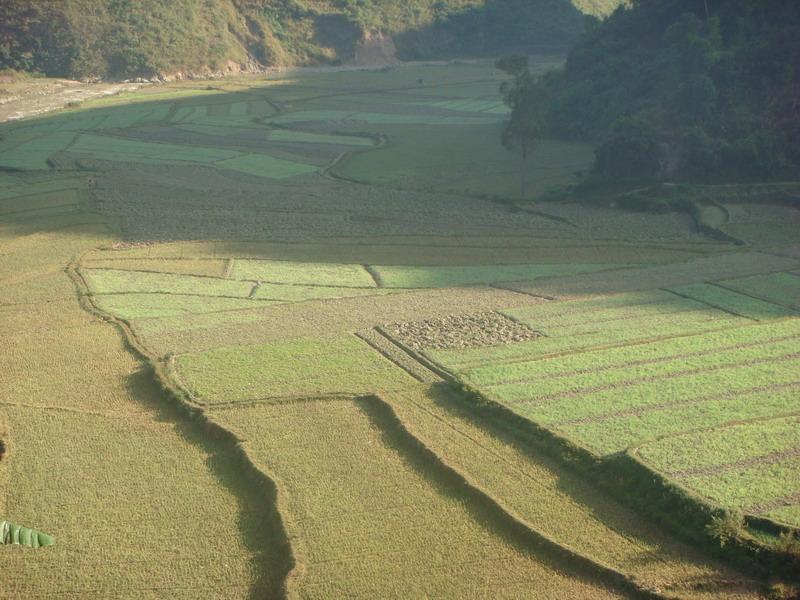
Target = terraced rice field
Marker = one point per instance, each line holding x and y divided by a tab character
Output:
752	467
616	372
203	392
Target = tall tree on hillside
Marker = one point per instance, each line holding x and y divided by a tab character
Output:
528	101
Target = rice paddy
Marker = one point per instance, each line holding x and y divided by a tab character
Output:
201	394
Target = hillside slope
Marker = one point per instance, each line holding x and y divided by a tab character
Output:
130	38
672	92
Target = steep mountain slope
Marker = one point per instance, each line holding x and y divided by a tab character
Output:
684	90
129	38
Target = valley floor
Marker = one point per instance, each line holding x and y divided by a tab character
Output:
279	339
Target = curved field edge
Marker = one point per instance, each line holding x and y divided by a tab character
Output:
633	483
384	416
178	398
635	461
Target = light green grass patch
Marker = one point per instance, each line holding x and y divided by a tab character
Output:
723	446
112	281
444	276
616	434
301	368
137	306
746	488
279	271
302	293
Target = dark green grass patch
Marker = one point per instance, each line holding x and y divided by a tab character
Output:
779	288
459	159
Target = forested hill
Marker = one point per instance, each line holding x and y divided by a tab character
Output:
130	38
681	90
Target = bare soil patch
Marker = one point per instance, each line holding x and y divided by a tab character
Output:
462	331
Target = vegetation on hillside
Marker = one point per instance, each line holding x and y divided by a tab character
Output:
131	38
678	90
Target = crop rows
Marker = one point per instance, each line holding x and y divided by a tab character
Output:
133	305
753	467
33	154
670	351
438	276
303	137
734	302
559	505
342	116
583	337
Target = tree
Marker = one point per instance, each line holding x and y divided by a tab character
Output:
528	101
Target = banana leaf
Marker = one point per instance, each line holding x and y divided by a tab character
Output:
16	534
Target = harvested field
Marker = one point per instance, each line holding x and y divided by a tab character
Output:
461	331
371	517
71	392
559	505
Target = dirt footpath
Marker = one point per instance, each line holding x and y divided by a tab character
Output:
24	99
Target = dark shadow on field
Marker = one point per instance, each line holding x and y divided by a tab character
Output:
126	152
259	523
598	502
450	485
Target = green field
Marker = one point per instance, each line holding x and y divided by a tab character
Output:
342	366
754	467
616	372
438	276
311	266
303	273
